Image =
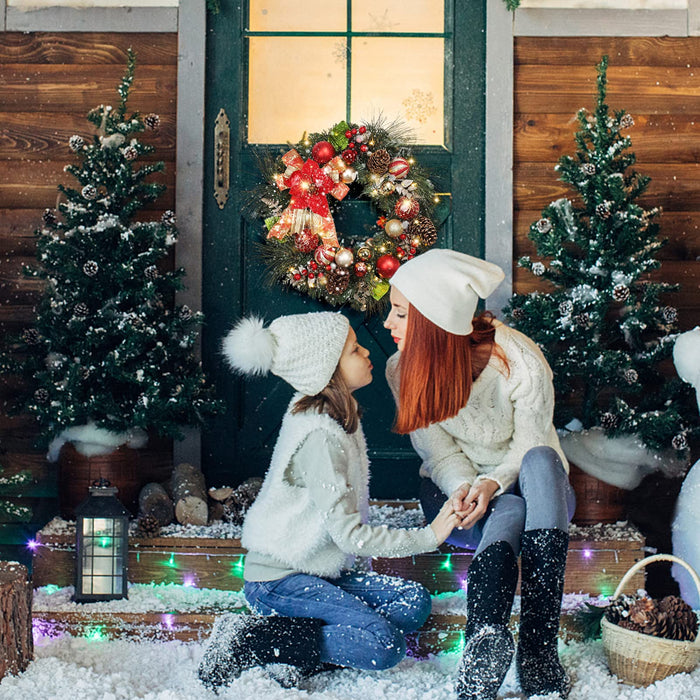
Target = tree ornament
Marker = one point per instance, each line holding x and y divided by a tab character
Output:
91	268
393	228
322	152
566	308
406	208
387	187
349	175
378	162
620	292
152	121
518	314
49	218
669	314
544	225
423	228
538	269
31	336
627	121
364	253
399	168
361	269
89	192
679	442
582	319
603	210
631	375
41	395
75	143
185	312
349	155
130	153
588	169
337	281
324	255
608	421
151	273
168	218
81	310
344	257
306	241
387	265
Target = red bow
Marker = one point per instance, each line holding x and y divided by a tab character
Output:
309	186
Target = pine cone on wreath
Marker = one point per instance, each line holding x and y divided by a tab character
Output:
682	623
424	228
338	281
147	526
378	162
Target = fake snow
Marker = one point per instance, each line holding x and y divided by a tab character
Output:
68	667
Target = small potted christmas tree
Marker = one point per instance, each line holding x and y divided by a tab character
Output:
601	322
110	355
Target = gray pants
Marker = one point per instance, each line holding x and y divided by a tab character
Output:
541	498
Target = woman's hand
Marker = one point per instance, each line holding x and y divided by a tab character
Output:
470	502
445	521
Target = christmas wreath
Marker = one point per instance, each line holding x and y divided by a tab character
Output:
303	187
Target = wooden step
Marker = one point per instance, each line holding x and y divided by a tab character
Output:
598	558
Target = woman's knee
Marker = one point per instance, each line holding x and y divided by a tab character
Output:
418	606
389	647
542	464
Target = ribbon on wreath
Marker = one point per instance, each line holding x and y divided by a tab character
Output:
309	185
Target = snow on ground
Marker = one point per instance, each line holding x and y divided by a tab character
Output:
69	668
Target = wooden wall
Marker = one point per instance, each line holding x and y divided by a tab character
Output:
657	80
48	83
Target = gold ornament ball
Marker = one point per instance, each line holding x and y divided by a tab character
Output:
322	280
364	253
387	187
416	242
349	176
344	257
393	228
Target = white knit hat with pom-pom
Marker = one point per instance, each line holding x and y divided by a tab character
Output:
302	349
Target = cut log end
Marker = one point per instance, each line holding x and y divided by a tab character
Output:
16	642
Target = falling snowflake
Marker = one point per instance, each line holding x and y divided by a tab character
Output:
340	55
419	106
383	23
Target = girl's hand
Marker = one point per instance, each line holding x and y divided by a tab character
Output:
477	501
445	521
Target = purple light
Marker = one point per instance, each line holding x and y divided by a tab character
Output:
587	554
167	621
188	580
33	545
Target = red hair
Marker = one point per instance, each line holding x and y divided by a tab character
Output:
437	369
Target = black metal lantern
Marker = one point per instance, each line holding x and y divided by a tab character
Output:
101	546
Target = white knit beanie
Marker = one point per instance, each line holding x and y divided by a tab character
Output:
445	286
302	349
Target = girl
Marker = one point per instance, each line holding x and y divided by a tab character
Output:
484	431
308	523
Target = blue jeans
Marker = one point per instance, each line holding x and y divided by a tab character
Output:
366	615
541	498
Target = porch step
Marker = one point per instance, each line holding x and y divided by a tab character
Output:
211	558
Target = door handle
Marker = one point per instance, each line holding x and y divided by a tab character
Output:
222	154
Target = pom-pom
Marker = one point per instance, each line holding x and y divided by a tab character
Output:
249	348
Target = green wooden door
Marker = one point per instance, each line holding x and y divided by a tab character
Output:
255	73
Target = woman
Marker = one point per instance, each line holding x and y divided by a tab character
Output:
476	398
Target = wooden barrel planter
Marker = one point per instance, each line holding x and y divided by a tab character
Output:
78	472
596	500
16	642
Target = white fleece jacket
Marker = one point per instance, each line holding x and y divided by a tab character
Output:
505	416
311	513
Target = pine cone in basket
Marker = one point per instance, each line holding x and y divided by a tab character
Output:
682	623
643	612
147	526
619	608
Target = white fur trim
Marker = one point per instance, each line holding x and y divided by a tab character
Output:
249	348
89	440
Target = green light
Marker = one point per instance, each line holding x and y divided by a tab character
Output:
459	645
171	562
237	567
95	633
51	588
105	542
447	564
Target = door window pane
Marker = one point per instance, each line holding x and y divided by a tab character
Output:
398	16
300	16
381	84
296	84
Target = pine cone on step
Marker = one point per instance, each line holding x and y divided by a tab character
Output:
237	504
147	526
378	162
682	623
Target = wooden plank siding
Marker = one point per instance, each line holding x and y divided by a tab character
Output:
657	80
48	83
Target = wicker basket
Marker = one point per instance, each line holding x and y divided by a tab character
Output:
641	659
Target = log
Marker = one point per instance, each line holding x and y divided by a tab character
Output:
189	495
154	501
16	642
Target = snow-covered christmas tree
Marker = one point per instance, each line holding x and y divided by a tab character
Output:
11	486
110	351
601	322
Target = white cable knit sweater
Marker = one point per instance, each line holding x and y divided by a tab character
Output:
311	513
506	415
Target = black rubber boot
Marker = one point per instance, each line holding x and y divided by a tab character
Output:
488	651
239	642
542	562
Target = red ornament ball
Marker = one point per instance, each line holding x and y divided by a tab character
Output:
349	155
406	208
361	269
399	168
363	129
363	148
306	241
322	152
324	255
387	265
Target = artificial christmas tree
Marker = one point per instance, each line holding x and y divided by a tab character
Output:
601	322
110	355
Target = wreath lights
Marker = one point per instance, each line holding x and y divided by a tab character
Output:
305	186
